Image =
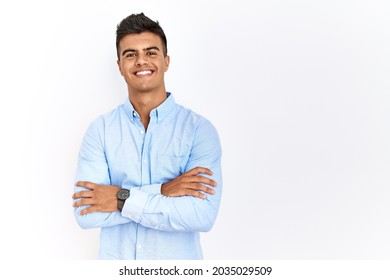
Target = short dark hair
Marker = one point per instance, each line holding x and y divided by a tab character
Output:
137	24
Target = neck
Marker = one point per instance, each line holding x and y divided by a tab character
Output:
145	102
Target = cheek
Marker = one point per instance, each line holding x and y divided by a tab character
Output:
125	65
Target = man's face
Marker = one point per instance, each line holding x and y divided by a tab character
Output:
142	62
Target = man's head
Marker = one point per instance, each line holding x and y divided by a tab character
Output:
142	55
137	24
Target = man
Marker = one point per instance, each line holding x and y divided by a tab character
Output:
149	172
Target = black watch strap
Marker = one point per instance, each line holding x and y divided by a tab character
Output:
120	204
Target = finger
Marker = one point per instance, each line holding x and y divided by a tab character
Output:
82	194
86	184
199	170
86	211
91	209
83	202
202	179
202	188
196	194
81	183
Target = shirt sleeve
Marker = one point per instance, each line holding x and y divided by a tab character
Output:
185	213
92	166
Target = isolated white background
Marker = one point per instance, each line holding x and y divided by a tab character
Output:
298	90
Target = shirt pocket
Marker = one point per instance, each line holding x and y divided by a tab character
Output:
171	160
169	167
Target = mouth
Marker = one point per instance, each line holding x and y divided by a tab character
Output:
144	73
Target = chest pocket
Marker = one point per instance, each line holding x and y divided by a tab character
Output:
170	160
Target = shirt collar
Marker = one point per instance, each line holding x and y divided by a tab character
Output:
158	113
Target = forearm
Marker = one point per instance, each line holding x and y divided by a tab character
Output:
172	213
97	219
107	218
185	213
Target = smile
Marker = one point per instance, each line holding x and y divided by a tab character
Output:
143	73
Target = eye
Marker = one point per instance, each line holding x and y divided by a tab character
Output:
130	55
151	53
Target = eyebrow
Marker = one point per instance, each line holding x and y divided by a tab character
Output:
144	49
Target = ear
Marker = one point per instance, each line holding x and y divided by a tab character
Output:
119	66
167	59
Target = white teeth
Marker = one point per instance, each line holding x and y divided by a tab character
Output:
146	72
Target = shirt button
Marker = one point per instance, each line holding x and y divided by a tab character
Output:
141	132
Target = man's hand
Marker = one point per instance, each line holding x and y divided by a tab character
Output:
101	198
190	183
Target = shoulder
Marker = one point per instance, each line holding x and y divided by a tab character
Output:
205	141
109	118
202	128
192	117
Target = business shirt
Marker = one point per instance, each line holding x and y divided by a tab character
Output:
116	150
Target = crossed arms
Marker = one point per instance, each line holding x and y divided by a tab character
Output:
188	202
102	198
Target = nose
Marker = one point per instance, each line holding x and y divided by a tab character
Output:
141	60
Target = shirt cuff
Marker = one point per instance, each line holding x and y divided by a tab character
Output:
135	204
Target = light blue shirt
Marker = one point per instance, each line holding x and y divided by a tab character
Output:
116	150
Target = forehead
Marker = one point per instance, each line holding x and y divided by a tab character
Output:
140	41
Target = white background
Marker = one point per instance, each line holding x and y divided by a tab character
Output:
298	90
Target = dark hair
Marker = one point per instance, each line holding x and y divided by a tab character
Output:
137	24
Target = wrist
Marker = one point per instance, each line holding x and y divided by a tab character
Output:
163	189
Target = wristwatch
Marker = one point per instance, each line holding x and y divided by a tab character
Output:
121	196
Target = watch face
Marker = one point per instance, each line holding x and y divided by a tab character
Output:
123	194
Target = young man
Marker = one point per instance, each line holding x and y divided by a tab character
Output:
149	172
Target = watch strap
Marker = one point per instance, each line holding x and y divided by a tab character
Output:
120	205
